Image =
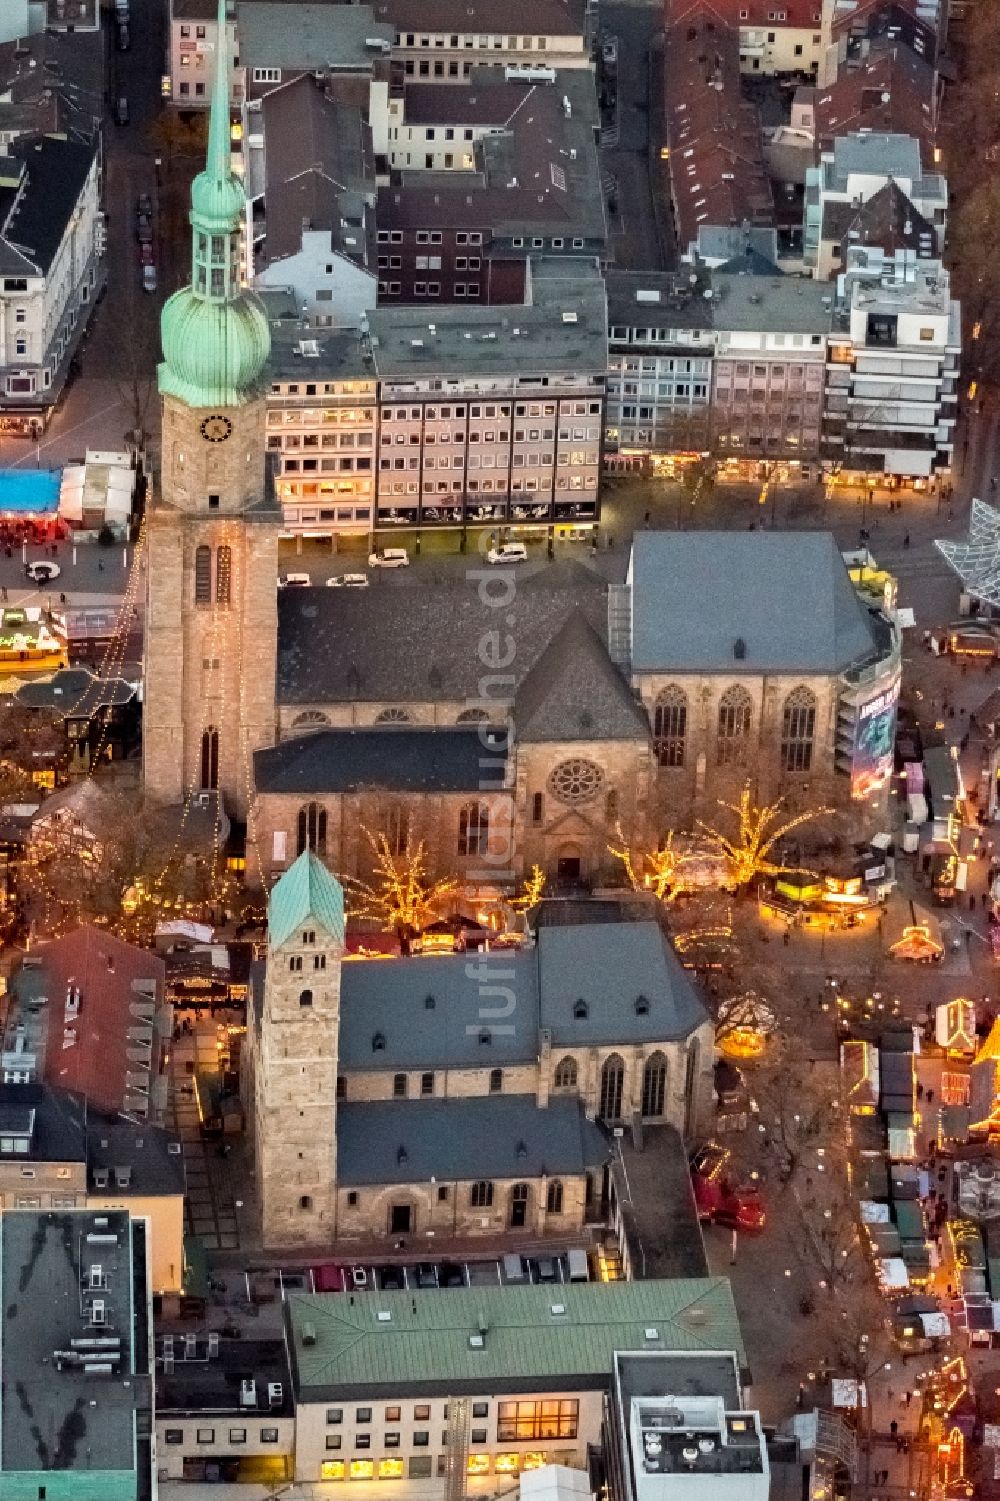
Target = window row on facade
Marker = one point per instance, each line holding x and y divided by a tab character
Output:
733	728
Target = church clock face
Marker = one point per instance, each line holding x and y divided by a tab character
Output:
216	429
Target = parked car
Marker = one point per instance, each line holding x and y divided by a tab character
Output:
144	227
146	256
144	204
121	110
294	581
348	581
43	573
149	278
508	552
124	37
389	557
720	1200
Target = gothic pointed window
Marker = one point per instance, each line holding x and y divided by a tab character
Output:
670	725
473	829
654	1086
735	712
210	759
203	575
311	831
798	730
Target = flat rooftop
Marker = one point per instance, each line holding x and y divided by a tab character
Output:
67	1280
211	1375
503	1339
566	333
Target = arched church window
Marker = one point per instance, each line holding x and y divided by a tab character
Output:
203	575
209	759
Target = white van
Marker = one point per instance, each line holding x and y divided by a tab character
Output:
576	1261
294	581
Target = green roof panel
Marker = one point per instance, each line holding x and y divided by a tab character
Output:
306	891
466	1339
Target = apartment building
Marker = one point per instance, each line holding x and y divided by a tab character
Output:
445	39
679	1428
78	1351
535	1368
446	416
712	137
492	416
51	267
892	378
768	373
775	36
223	1409
851	28
660	345
856	168
310	219
322	420
347	46
192	31
465	234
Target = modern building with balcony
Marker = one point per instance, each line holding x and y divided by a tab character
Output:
857	168
660	346
679	1428
447	416
893	368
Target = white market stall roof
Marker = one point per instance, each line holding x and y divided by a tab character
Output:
893	1274
104	485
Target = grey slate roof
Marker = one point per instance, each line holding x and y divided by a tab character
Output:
55	172
340	645
78	689
404	758
607	964
611	966
59	1131
786	595
491	1136
308	36
575	692
390	998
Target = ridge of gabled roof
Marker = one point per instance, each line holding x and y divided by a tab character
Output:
575	692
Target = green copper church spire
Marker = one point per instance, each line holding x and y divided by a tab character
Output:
215	333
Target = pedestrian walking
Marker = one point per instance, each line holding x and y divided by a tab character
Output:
909	1398
906	539
894	1427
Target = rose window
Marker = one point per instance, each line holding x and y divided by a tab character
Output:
576	781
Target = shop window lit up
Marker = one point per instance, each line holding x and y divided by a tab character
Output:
479	1464
332	1469
533	1460
390	1469
507	1464
362	1469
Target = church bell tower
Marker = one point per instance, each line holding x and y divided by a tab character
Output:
212	528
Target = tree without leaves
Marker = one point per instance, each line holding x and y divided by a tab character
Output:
658	869
400	897
759	829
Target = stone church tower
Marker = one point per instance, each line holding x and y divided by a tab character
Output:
212	559
295	1064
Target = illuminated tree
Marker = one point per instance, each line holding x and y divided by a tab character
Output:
656	870
759	829
399	897
532	893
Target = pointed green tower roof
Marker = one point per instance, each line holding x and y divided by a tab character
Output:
215	333
307	892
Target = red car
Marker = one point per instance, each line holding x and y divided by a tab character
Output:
720	1201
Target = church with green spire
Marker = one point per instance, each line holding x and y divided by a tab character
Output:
215	335
213	521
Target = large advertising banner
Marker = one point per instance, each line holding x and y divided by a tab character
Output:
871	766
